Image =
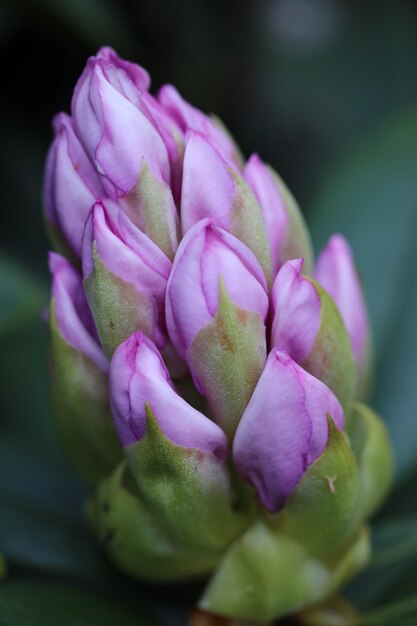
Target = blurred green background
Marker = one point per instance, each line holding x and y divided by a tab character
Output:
326	91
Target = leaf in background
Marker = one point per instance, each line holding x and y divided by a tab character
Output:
40	497
98	22
21	295
371	197
34	603
394	560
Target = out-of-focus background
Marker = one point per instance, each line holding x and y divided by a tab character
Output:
324	90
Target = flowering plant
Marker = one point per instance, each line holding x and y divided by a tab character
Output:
208	374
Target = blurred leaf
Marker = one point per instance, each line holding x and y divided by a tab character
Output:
98	22
371	197
394	541
34	538
402	613
392	572
326	71
40	498
21	295
3	566
33	603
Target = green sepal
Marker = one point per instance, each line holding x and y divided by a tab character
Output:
322	513
117	307
331	357
134	538
297	243
187	490
247	224
300	556
266	575
371	445
80	397
149	205
228	356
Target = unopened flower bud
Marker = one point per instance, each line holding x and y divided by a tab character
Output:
71	186
140	379
216	304
176	454
307	325
79	371
229	203
287	232
335	271
113	123
125	277
283	429
190	118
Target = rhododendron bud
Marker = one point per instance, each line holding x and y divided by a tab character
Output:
79	369
139	381
251	469
307	325
284	428
189	118
159	429
216	304
229	203
335	271
114	126
71	186
125	277
287	232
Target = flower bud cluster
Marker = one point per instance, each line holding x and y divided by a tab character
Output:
201	355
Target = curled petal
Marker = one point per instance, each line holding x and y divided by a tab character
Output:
138	377
188	117
73	316
207	253
115	128
296	311
335	271
71	183
283	429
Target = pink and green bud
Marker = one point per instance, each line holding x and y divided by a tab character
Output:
229	203
284	428
71	186
125	278
293	551
176	454
208	254
173	136
307	325
214	323
79	371
140	382
189	118
114	124
72	315
335	270
287	232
